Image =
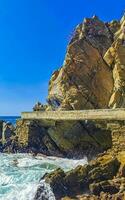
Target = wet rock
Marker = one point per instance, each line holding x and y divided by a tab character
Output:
104	186
89	178
7	131
1	128
57	183
7	137
44	192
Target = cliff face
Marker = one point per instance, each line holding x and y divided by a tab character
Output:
115	58
92	75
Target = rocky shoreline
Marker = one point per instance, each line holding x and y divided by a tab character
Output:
103	177
34	137
92	77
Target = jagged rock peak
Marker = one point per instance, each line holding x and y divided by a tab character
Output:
123	18
93	72
92	29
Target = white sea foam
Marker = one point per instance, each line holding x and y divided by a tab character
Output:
4	180
64	163
46	192
20	174
25	192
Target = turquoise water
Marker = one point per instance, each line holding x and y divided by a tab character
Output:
20	174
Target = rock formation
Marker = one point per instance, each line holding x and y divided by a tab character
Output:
7	137
102	178
39	107
99	178
80	83
92	77
61	138
33	137
115	58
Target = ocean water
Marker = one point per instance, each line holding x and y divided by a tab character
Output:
11	119
20	174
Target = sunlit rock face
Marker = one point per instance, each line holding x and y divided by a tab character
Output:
115	58
85	81
92	75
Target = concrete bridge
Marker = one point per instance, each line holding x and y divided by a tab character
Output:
97	114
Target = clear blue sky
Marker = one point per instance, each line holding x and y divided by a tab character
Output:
33	39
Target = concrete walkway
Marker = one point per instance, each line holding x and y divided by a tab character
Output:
99	114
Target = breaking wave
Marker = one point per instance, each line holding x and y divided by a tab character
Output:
20	175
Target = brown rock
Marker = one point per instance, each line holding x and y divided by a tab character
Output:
77	181
115	58
33	136
80	83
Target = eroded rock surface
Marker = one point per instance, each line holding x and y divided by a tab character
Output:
98	176
33	137
115	57
102	178
80	83
66	138
7	137
92	75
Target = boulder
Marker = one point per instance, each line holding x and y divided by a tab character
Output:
92	177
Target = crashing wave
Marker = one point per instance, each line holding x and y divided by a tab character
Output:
20	175
44	192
